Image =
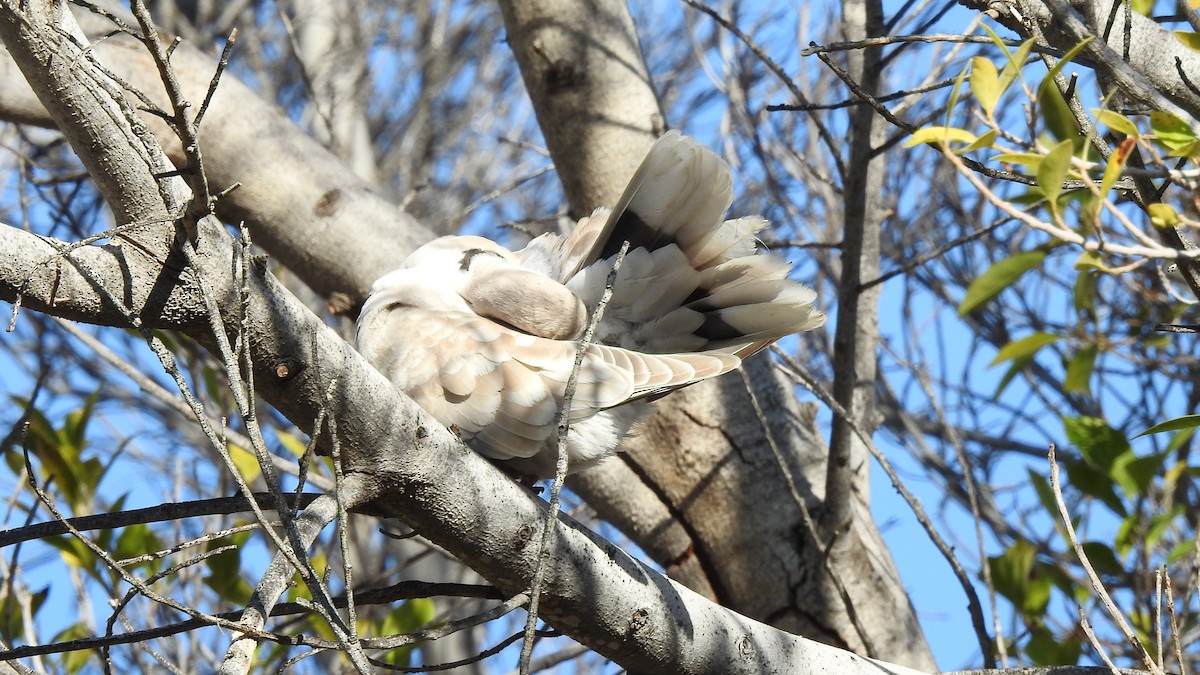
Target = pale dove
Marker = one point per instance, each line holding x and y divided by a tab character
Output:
485	338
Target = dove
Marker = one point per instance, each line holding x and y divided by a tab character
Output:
485	338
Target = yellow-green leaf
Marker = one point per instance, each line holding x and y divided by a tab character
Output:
245	461
1171	131
985	84
1116	121
1189	39
1067	58
997	278
984	141
1053	171
1090	260
1025	159
1025	347
954	92
1185	422
1162	215
939	134
291	443
1015	62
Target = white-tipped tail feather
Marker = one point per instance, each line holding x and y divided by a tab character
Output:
485	338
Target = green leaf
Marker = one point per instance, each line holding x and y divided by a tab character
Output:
1181	551
1045	493
985	84
1185	422
225	567
291	443
1099	443
1020	363
413	615
997	278
1068	57
1172	132
1025	347
1126	535
1014	577
245	461
76	423
1102	558
1189	39
1015	63
939	135
1180	439
1116	121
1135	474
74	661
1160	523
1044	648
1059	119
137	540
1094	483
1089	260
1053	171
1079	370
954	93
1084	294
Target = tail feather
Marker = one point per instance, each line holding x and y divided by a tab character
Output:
690	282
733	239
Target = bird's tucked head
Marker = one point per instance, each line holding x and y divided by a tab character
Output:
457	253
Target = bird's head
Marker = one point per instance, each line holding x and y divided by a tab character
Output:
456	253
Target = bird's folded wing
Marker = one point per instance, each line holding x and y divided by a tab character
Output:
503	388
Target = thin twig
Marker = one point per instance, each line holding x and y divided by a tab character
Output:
834	146
1176	637
1095	642
815	49
903	93
560	474
1097	584
130	579
974	607
986	642
936	253
167	512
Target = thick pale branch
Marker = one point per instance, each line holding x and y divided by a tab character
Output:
301	205
590	87
86	283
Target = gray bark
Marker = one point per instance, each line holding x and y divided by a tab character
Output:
699	487
617	606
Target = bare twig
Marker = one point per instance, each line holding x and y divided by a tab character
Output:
804	377
827	138
1097	584
560	474
1095	642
